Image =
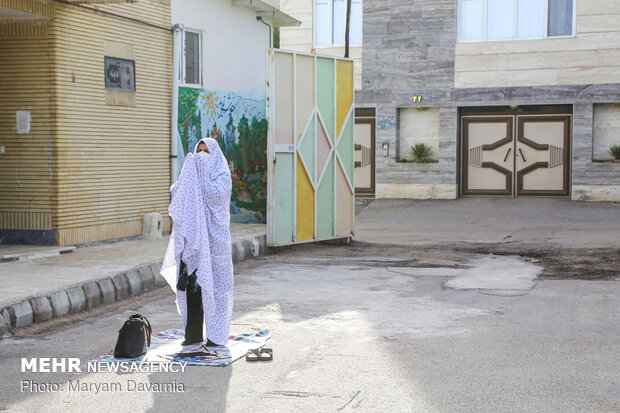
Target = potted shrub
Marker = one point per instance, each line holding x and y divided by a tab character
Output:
420	153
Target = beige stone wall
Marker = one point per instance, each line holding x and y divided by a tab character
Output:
418	125
416	191
297	38
591	57
606	130
601	193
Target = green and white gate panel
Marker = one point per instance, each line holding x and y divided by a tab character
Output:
310	148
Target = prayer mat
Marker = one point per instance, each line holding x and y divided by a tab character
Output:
166	348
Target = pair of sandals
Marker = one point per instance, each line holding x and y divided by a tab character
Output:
259	354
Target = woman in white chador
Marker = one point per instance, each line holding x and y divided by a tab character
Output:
198	263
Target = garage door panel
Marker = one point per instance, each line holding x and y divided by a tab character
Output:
542	155
544	179
488	160
487	178
516	155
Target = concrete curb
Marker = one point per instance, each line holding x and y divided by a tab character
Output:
107	289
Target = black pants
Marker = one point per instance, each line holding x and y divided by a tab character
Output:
195	314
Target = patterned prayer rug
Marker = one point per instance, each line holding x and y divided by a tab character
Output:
166	347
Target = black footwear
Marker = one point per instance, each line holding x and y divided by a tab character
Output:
259	354
252	355
210	343
265	354
189	341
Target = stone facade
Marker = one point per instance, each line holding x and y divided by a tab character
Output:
409	50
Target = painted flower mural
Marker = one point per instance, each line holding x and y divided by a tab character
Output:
239	125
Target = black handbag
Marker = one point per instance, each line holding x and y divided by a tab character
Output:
133	338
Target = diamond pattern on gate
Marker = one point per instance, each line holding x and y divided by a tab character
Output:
306	148
345	148
324	147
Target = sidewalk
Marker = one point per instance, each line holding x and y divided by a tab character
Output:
38	283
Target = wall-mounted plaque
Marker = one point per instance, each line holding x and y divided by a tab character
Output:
120	74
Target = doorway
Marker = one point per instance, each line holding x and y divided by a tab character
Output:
365	124
515	155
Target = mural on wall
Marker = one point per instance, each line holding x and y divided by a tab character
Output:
239	125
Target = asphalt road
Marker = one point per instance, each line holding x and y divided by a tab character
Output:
358	330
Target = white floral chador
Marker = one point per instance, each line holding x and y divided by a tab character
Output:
200	209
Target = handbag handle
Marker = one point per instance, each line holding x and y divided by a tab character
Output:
147	327
149	331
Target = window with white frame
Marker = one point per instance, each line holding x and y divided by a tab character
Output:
190	72
515	19
330	22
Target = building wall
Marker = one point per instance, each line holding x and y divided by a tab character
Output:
26	166
231	105
301	38
591	57
606	121
592	181
111	162
234	44
410	50
28	9
418	126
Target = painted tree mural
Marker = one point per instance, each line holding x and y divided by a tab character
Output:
239	125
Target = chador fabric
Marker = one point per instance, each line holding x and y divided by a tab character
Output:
200	209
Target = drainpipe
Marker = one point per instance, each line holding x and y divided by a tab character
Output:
269	25
176	50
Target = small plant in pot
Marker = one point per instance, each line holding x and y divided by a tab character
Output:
614	151
420	153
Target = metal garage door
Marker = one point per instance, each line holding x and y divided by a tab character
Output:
516	155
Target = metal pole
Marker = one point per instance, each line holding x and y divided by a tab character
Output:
347	29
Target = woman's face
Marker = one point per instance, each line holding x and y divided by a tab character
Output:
202	147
